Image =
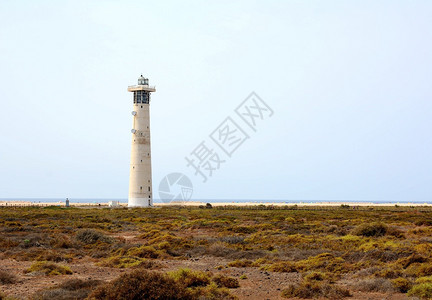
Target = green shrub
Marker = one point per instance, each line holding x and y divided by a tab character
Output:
422	290
211	292
128	262
427	279
402	284
48	268
144	252
316	276
284	266
189	278
240	263
324	262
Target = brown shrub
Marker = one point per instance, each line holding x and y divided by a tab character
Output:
62	242
414	258
382	255
141	284
243	229
220	250
420	270
319	276
240	263
374	285
226	281
370	229
73	289
388	273
53	256
233	239
423	222
283	266
211	292
395	231
35	240
91	236
144	252
315	290
7	278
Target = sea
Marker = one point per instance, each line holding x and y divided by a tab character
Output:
256	201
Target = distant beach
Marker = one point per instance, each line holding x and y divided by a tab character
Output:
213	202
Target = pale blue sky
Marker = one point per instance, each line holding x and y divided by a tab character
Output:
349	82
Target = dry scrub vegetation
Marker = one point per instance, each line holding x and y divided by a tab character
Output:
337	252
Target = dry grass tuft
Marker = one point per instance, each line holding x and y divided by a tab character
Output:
48	268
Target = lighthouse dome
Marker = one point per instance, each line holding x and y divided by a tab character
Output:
142	80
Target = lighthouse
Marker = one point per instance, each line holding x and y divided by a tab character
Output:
140	178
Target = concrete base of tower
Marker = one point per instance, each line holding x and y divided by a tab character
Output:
140	202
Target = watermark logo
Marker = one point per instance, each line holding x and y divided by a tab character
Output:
235	130
175	187
253	110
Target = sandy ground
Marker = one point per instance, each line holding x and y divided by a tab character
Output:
259	285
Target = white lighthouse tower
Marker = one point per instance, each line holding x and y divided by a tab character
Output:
140	180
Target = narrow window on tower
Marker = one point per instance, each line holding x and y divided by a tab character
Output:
149	189
140	188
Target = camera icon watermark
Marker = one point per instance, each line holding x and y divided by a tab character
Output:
175	187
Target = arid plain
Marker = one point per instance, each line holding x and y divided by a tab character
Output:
219	252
